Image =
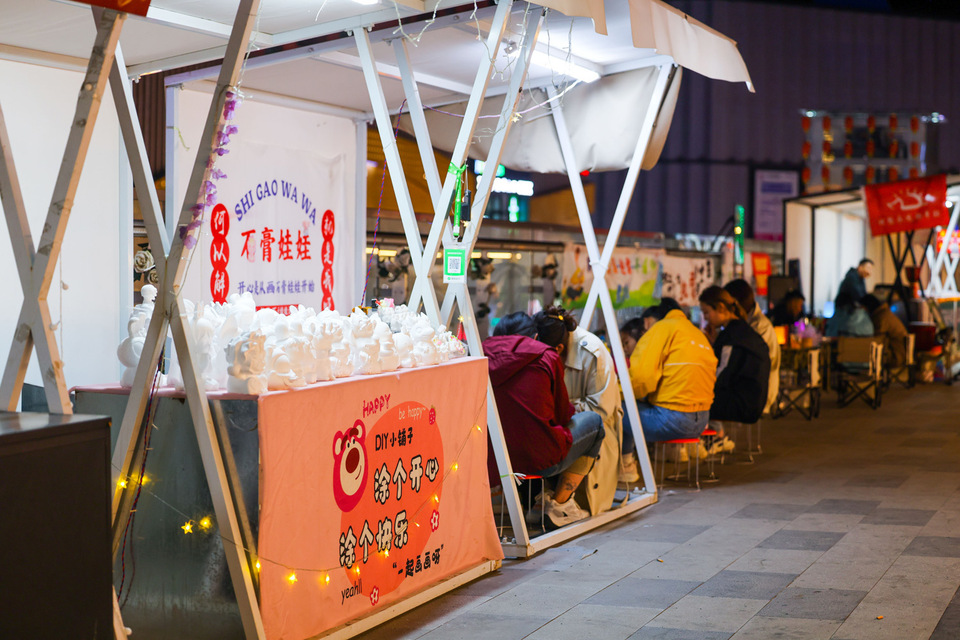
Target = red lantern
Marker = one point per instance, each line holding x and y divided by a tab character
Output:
871	148
847	149
805	149
827	149
848	124
894	147
914	124
871	124
914	172
827	123
893	174
914	149
871	174
805	175
825	175
848	176
893	122
805	123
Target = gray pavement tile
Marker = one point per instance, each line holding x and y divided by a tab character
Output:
895	431
937	546
496	582
878	480
677	533
801	540
643	592
755	585
818	604
948	627
595	621
775	561
852	507
906	517
772	476
706	613
770	511
483	626
760	628
662	633
933	442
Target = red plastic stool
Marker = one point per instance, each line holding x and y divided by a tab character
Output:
660	457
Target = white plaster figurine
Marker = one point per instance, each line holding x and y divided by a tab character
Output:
130	348
246	361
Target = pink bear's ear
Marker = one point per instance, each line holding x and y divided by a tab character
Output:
338	443
359	428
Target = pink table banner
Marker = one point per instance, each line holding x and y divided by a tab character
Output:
372	488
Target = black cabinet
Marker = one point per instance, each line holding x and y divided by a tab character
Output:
55	559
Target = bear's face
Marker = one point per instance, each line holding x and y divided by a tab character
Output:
350	466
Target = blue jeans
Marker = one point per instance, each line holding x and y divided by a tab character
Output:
586	428
660	423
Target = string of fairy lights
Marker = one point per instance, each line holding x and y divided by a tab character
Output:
205	524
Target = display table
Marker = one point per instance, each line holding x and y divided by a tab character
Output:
372	491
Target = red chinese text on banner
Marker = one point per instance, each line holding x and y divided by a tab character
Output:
761	271
138	7
907	205
372	488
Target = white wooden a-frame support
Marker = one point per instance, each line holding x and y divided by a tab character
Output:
169	313
943	264
634	501
36	266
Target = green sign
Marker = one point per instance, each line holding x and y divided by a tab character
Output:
739	220
455	265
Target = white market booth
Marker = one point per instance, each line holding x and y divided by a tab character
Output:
828	233
341	78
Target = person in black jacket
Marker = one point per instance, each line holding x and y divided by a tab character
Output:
743	360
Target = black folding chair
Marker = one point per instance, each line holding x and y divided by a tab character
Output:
860	370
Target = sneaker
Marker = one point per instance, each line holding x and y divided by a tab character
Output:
629	470
702	452
560	515
535	515
726	445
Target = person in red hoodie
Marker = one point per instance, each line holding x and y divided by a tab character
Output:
543	434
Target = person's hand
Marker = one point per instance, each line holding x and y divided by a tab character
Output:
711	332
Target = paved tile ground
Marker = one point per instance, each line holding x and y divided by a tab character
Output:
842	520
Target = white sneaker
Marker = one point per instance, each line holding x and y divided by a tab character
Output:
560	515
629	470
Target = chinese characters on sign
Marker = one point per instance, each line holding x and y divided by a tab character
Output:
907	205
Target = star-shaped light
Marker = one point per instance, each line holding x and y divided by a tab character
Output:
187	527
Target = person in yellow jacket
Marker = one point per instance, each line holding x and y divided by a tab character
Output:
673	370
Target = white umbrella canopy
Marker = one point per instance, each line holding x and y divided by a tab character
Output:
668	31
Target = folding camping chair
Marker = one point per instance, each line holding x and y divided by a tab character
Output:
800	388
859	370
904	373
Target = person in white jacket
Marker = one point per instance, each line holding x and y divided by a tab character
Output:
742	292
592	386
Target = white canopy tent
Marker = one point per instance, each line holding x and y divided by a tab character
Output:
423	52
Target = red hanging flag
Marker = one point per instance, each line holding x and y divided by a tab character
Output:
138	7
907	205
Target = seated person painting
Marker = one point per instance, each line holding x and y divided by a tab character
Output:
672	371
888	326
743	372
544	435
789	310
592	386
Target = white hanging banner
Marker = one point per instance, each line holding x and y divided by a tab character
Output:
685	278
275	227
280	220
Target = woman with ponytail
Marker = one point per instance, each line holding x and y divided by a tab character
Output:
592	386
743	369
